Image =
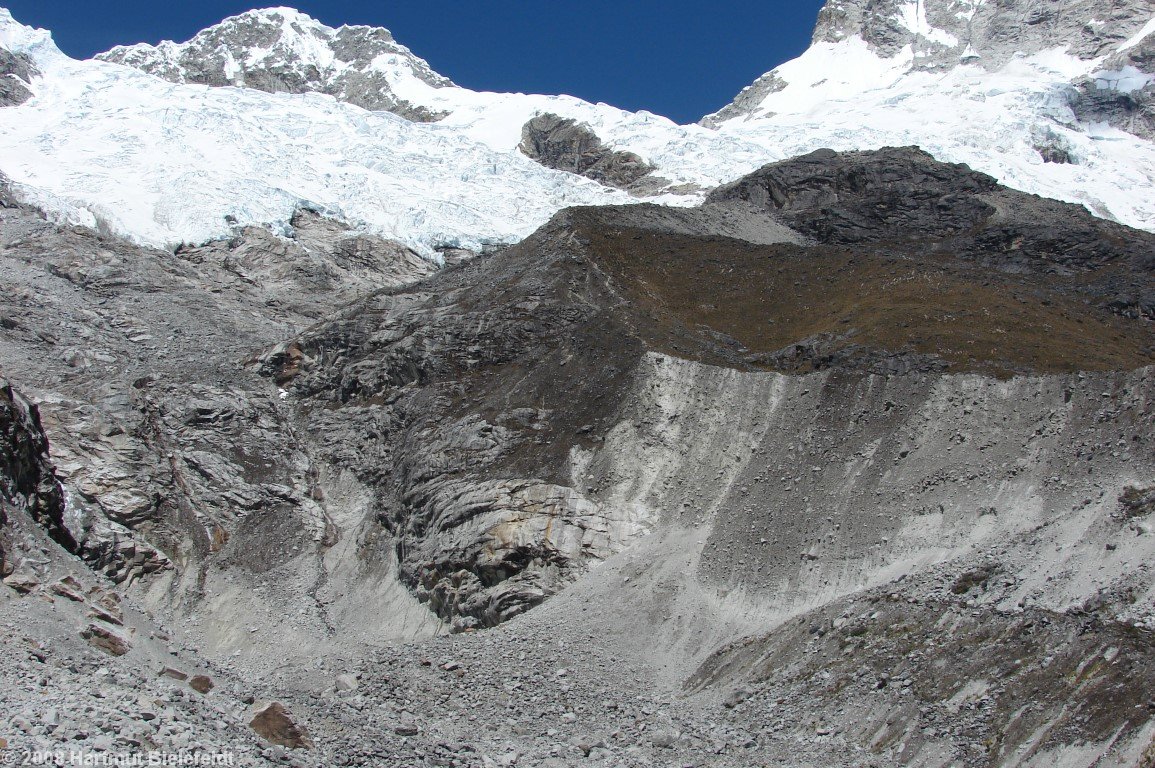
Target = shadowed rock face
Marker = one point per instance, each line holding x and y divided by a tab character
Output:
565	145
1122	93
28	484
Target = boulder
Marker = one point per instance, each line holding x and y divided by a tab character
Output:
201	683
106	639
273	723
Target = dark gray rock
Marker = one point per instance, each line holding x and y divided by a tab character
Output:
16	73
566	145
898	196
28	482
1118	95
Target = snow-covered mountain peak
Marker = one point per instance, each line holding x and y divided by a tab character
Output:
282	50
35	44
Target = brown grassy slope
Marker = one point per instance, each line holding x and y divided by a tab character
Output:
725	301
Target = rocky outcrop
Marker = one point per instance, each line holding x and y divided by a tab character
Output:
28	484
282	51
943	32
171	453
905	198
1122	92
16	73
566	145
747	100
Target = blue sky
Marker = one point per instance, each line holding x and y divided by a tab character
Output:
678	58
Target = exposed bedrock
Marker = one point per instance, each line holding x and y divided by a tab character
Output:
29	489
1122	92
566	145
457	448
474	405
16	73
943	31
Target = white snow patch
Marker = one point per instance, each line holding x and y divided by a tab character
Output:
1140	36
912	15
1126	80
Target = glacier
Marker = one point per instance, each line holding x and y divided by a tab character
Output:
163	163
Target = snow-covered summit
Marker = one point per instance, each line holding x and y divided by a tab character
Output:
941	35
283	50
36	44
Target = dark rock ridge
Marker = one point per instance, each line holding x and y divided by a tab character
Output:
899	195
566	145
273	50
16	73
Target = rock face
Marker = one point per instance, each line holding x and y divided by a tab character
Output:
282	51
171	452
450	391
899	194
1122	92
943	32
566	145
16	73
28	484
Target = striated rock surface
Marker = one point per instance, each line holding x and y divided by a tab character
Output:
28	484
170	452
452	391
